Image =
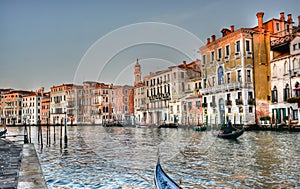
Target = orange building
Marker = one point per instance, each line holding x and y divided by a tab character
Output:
45	108
12	107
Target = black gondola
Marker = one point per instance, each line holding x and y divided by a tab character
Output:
168	125
3	132
162	180
233	135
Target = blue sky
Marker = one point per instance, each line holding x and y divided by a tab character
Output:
43	42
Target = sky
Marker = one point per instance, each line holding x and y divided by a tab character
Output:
48	43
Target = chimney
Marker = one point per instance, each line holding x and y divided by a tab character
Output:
282	16
213	38
259	16
208	40
232	28
290	19
299	20
184	63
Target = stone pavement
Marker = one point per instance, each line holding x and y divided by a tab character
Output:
19	166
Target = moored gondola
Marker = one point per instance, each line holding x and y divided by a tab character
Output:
3	132
200	128
233	135
162	180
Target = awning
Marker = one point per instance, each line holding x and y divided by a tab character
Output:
297	89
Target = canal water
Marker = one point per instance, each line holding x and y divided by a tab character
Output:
123	158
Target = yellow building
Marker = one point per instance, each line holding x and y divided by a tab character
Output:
236	83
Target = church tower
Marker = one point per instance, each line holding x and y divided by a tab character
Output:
137	73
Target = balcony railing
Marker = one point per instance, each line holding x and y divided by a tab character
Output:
228	102
213	104
238	101
225	87
251	102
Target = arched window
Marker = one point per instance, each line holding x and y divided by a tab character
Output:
220	75
295	64
297	91
286	92
286	68
274	95
274	70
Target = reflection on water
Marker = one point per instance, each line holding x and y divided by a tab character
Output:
99	157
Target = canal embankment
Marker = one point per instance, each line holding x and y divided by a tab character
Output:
19	166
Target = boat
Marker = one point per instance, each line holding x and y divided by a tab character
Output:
233	135
113	124
3	132
162	180
200	128
168	125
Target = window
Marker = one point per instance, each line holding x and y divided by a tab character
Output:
239	76
182	86
238	48
250	109
295	64
250	95
212	56
227	50
274	70
248	46
219	53
213	81
240	95
274	94
204	59
286	68
277	26
220	76
248	75
174	75
182	75
228	77
286	92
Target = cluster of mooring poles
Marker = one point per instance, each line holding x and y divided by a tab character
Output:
63	123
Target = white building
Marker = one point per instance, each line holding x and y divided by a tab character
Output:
285	84
31	108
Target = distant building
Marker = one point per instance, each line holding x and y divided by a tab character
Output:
12	107
2	104
160	97
58	103
45	108
123	106
31	108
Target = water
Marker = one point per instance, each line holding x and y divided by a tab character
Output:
122	158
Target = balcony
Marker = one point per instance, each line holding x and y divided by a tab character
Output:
223	88
213	104
281	44
228	102
251	102
238	101
226	59
249	54
237	55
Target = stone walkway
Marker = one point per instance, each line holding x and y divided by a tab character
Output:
19	166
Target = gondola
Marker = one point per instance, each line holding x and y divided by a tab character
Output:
168	125
113	124
162	180
200	128
3	132
233	135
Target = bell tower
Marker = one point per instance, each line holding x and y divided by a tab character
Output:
137	73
